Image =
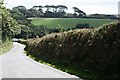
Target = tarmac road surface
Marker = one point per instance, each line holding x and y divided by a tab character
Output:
15	64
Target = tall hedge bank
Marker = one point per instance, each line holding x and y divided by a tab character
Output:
96	50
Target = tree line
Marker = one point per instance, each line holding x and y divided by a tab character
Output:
51	11
59	11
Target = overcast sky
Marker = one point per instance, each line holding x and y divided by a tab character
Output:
88	6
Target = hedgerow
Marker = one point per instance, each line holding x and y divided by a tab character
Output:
96	50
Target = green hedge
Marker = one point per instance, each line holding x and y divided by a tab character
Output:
96	50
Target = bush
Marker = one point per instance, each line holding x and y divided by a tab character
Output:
82	26
95	50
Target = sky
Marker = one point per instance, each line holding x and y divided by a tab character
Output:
88	6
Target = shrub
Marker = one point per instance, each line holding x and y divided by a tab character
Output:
96	50
82	26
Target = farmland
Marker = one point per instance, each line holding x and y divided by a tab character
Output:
82	44
68	22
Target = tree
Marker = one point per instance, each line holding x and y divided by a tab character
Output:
61	11
75	11
41	13
48	8
35	7
80	12
40	8
15	10
9	25
62	8
49	14
22	9
36	11
26	32
56	8
21	18
102	16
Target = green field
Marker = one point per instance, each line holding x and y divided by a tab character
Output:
68	22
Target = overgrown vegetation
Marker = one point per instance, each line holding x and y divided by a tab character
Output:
55	11
5	46
9	27
95	51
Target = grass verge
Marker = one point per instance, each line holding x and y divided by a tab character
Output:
6	46
72	69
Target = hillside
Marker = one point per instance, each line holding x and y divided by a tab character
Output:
95	51
69	22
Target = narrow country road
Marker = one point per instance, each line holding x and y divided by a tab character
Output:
15	64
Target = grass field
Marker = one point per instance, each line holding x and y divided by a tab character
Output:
68	22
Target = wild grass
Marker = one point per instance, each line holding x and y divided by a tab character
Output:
5	46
